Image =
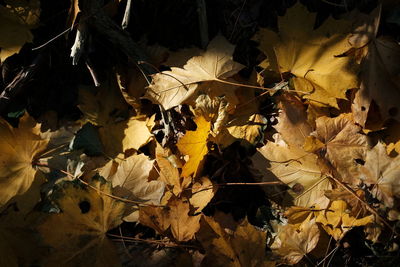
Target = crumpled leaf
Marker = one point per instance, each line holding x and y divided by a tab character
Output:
168	164
17	18
174	216
20	148
293	243
130	180
245	124
175	87
383	173
336	219
194	145
243	247
296	168
311	54
77	234
340	141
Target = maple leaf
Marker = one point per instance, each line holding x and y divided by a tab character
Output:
194	144
17	18
175	216
122	136
311	54
380	82
336	220
20	148
296	168
383	173
102	105
244	247
293	243
340	141
172	88
78	233
130	180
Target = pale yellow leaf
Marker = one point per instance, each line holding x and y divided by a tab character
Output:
175	87
131	181
310	54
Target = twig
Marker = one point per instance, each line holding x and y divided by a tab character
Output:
15	87
79	44
237	20
203	24
127	15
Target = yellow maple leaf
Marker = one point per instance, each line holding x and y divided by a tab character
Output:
336	219
17	18
20	148
78	233
311	54
172	88
194	145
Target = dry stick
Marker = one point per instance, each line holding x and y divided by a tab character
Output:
158	242
371	209
237	20
127	15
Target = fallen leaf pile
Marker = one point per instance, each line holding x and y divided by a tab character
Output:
205	160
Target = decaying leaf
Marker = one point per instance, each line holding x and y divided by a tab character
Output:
130	180
20	148
312	54
383	173
77	234
172	88
293	243
340	141
244	247
175	216
194	145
